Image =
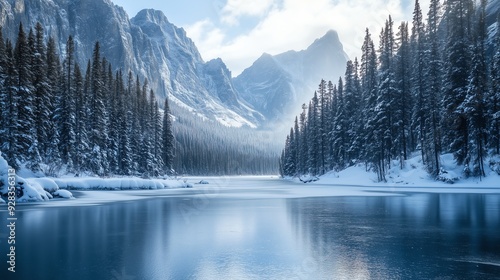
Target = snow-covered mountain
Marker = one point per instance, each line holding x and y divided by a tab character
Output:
148	44
275	85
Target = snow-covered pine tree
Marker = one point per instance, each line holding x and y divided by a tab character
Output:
155	134
313	137
146	164
136	135
384	125
458	58
433	76
494	98
331	112
9	100
473	106
167	139
114	87
322	124
290	167
81	149
125	153
65	111
357	145
25	134
297	139
98	132
403	103
339	132
303	148
351	114
52	155
3	92
417	48
43	95
369	85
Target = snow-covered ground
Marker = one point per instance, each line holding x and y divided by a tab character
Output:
413	174
36	189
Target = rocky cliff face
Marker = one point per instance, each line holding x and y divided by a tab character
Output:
148	44
275	85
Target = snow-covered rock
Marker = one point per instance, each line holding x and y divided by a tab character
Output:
203	182
64	194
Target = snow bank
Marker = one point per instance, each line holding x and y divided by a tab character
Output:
43	189
126	183
413	173
26	190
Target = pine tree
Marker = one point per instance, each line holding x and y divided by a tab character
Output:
457	72
433	76
417	79
25	131
313	137
494	98
52	156
339	139
290	167
167	139
474	106
403	102
115	115
357	145
65	112
323	134
10	116
369	85
303	148
98	127
124	128
384	125
296	147
3	91
81	149
43	95
351	108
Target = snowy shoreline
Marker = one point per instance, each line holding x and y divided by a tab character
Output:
353	181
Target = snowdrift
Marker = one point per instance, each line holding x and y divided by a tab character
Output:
43	189
414	173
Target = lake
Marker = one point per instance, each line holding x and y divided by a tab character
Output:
253	234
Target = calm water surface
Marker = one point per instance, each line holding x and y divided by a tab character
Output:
414	236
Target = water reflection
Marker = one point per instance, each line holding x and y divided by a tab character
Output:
418	236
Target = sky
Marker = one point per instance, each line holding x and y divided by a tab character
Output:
240	31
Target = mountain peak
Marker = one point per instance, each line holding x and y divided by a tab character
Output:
275	85
151	15
330	39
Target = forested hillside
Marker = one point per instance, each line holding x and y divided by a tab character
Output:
205	147
55	118
433	89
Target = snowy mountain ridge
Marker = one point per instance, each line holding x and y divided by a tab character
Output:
276	85
147	44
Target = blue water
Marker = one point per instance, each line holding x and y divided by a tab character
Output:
414	236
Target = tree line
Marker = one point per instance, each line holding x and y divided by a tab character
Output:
206	147
433	90
54	117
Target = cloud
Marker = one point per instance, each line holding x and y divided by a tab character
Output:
291	25
234	9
